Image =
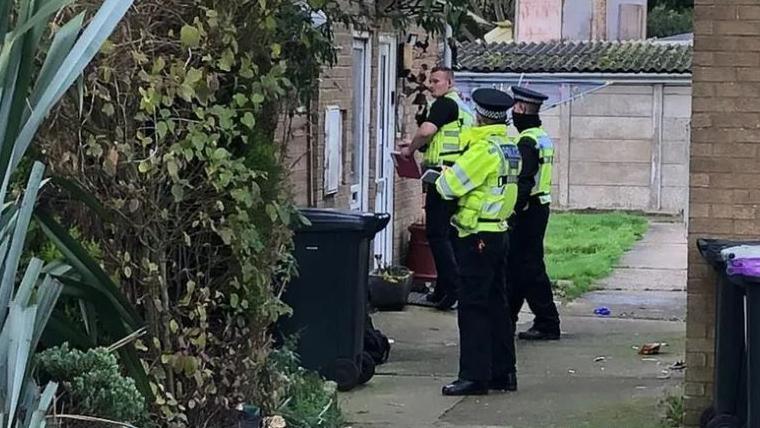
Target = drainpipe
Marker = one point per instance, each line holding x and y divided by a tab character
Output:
447	46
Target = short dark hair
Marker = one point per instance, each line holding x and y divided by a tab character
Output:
443	69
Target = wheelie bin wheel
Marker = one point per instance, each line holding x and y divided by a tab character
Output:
707	415
344	372
725	421
368	368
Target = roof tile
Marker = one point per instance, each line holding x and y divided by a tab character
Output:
576	57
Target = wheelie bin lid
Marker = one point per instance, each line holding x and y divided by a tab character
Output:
710	250
333	220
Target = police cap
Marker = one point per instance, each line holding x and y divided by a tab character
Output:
528	96
492	103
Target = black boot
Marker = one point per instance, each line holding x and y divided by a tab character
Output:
446	303
536	334
507	383
465	387
434	297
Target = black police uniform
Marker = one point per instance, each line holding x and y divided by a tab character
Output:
527	278
487	351
438	212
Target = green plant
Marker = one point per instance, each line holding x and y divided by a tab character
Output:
176	138
24	103
23	313
663	21
390	273
92	383
673	405
583	247
307	401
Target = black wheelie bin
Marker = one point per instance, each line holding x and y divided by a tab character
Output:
329	296
736	394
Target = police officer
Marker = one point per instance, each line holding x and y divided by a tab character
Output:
438	135
527	278
484	183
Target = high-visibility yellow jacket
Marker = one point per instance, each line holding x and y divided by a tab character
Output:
545	147
484	180
445	147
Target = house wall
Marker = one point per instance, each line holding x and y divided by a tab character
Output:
306	145
578	18
724	178
547	20
538	20
626	19
621	147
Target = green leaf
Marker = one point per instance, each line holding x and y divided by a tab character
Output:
10	265
93	276
102	24
234	300
194	75
240	99
108	109
63	41
172	168
248	120
226	235
272	212
59	329
144	166
178	192
220	153
227	60
257	98
77	192
189	36
158	65
161	129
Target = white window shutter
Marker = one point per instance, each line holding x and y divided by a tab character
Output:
333	140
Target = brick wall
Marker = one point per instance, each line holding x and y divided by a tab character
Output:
724	173
306	145
408	197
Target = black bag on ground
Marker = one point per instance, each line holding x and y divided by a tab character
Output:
376	344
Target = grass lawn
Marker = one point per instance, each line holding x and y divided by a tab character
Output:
583	247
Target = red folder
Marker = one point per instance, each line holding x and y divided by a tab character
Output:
406	167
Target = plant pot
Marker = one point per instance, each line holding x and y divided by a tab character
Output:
420	258
390	292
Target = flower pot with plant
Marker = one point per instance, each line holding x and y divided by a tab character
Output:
389	285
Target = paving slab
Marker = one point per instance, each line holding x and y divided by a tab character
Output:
593	377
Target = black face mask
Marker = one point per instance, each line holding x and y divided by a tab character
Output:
524	121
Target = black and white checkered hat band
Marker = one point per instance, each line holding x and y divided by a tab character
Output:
496	115
528	100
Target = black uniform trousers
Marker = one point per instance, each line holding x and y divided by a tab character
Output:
526	275
440	234
486	333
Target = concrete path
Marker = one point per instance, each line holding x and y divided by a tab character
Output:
593	377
